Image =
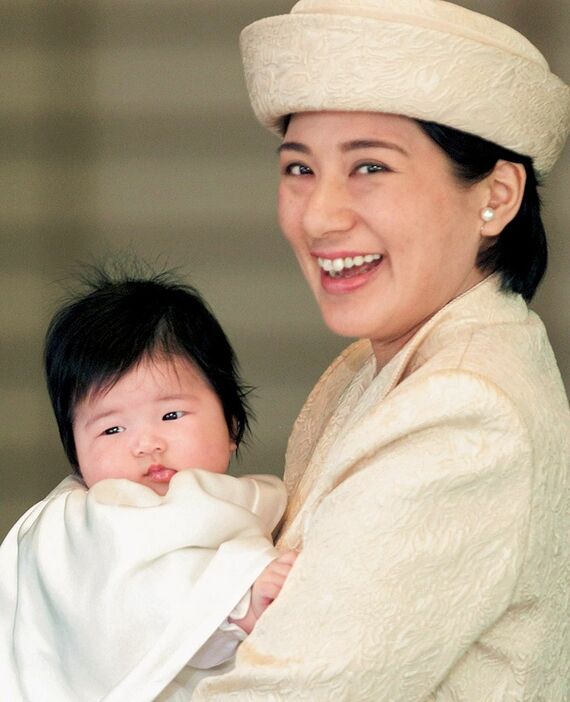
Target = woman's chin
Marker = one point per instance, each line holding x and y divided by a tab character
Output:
346	324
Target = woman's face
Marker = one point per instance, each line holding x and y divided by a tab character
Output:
383	231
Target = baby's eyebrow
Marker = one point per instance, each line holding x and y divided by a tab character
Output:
100	416
177	396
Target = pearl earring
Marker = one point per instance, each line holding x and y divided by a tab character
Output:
487	214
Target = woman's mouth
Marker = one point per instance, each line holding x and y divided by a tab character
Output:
349	266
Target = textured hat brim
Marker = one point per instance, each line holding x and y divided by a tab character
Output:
314	62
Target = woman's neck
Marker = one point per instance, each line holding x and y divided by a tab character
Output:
385	350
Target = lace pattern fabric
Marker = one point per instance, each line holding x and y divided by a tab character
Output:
434	520
419	58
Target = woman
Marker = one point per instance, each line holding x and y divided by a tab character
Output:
428	472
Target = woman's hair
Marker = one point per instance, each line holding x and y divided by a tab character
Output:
121	320
519	253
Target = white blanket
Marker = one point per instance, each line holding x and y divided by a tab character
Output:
107	593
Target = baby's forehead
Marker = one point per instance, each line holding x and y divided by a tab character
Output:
160	373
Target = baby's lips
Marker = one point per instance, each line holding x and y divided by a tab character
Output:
160	474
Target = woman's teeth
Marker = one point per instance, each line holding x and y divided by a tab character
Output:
342	266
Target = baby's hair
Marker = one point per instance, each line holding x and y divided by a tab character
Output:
121	318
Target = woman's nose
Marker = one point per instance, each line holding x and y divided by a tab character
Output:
148	443
328	209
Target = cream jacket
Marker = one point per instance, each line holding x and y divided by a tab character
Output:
107	593
431	503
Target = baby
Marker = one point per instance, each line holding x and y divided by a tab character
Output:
150	561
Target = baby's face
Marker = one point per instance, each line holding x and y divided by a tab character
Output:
160	417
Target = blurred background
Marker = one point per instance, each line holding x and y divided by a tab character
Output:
125	129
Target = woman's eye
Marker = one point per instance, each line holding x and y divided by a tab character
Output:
367	168
169	416
113	430
297	169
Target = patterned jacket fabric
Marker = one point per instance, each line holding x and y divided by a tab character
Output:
431	503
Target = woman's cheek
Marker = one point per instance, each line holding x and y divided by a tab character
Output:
284	219
290	199
290	232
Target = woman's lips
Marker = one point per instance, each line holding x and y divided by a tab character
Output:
160	474
348	266
345	279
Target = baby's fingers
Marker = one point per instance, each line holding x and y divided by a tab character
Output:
289	557
279	569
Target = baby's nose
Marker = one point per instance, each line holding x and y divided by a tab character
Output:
149	443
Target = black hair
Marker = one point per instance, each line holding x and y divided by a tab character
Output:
519	254
118	320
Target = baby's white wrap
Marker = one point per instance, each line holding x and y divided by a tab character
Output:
105	594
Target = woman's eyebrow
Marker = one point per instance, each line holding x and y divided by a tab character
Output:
352	145
293	146
372	144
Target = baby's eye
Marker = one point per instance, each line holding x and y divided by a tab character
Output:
113	430
169	416
297	169
367	168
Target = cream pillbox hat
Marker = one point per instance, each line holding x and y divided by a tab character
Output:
426	59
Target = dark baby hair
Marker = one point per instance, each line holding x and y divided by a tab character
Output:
121	319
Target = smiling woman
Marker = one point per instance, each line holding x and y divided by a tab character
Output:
428	472
351	197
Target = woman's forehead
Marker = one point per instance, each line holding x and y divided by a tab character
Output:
349	131
351	121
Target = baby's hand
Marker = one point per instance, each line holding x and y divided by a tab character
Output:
268	585
266	588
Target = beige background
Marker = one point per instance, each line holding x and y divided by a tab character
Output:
124	125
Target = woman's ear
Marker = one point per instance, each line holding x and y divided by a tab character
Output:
505	191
